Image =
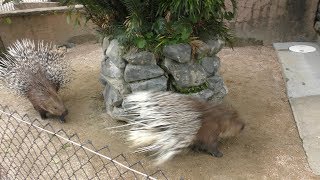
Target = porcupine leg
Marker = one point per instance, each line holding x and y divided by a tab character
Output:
214	151
197	147
62	117
43	114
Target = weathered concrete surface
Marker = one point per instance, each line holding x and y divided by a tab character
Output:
302	70
302	74
48	24
32	5
307	115
276	21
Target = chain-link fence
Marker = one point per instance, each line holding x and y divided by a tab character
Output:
33	149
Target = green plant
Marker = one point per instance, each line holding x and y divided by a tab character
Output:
151	24
190	90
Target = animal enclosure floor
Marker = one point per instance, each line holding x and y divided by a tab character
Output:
302	73
269	147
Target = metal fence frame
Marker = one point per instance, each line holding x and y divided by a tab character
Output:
33	149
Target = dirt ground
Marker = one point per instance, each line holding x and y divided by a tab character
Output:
269	147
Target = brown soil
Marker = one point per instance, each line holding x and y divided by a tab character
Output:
269	147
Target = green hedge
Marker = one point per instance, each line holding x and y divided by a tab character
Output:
151	24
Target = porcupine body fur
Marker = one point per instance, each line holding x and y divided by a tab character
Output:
37	71
166	123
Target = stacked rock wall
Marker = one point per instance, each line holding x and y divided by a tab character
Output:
179	69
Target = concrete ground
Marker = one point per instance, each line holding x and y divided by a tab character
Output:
269	147
302	73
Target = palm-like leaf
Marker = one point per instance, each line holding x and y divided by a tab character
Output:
143	22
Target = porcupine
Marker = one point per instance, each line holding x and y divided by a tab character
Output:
166	123
37	71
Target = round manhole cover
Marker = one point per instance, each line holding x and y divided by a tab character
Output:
302	48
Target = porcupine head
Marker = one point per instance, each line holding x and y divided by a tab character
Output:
217	121
45	99
36	71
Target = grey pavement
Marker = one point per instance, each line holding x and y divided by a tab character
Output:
302	75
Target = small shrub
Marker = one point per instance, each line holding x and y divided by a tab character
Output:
151	24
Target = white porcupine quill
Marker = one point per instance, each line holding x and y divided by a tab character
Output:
161	122
24	58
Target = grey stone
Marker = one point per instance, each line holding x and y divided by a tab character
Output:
117	61
215	46
108	68
317	26
178	52
125	104
156	84
141	72
204	94
141	58
185	75
117	83
109	107
114	49
105	44
217	98
218	87
119	114
202	50
112	96
210	64
102	80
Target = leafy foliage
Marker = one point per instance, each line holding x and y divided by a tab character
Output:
190	90
151	24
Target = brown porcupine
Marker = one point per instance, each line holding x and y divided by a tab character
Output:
167	123
37	71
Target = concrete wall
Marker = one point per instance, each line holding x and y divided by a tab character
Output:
276	20
266	20
317	24
48	24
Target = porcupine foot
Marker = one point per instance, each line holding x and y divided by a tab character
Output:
198	147
62	117
43	114
214	151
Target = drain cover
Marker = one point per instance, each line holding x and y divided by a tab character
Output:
302	48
